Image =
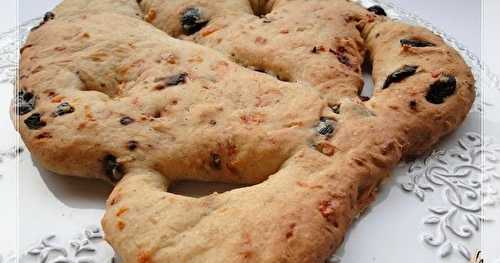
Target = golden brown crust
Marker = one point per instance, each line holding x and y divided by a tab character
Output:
156	110
330	53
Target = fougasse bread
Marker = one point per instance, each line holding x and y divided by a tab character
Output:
261	93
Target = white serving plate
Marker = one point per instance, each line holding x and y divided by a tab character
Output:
439	208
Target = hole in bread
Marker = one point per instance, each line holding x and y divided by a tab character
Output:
200	189
367	91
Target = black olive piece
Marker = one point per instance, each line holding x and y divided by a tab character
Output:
48	16
441	89
416	43
378	10
413	105
173	80
176	79
126	120
114	170
344	59
24	102
192	20
37	26
399	75
335	108
62	109
326	127
35	122
215	161
132	145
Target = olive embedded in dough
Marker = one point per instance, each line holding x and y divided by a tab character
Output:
399	75
24	102
192	20
441	89
62	109
416	43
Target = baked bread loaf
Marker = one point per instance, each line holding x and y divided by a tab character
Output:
263	93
